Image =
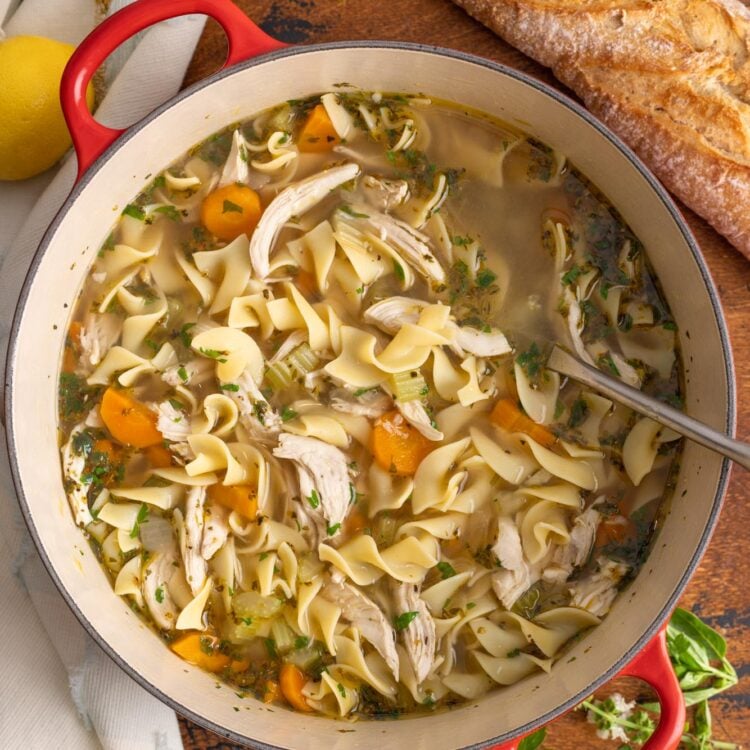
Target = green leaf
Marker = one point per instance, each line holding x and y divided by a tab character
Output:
485	278
333	529
402	621
185	336
219	356
136	212
232	387
533	741
182	374
159	594
139	519
347	209
288	414
301	641
399	271
314	499
229	207
446	570
170	212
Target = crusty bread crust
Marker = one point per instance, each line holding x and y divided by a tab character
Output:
670	77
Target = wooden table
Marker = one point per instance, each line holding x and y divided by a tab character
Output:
719	591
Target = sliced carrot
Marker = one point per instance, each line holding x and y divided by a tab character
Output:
129	421
239	665
231	211
271	691
105	446
318	133
158	456
507	415
236	497
292	679
615	530
201	650
355	522
397	446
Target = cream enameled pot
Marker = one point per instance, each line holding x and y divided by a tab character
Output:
114	167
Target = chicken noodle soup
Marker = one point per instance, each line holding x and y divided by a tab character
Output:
306	419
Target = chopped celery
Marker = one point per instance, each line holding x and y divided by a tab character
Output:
310	566
283	635
384	529
304	658
296	364
302	360
409	385
279	376
252	604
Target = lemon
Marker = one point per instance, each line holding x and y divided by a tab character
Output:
33	133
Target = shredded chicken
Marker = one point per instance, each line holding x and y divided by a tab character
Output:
367	617
385	194
99	333
74	462
392	313
415	413
173	423
157	573
596	591
410	243
294	200
215	530
323	476
419	636
192	373
192	539
516	576
576	552
256	415
371	404
236	166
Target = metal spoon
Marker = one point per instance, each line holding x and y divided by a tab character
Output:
566	364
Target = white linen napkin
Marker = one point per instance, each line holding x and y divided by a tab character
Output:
58	689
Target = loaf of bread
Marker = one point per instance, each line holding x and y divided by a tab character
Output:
670	77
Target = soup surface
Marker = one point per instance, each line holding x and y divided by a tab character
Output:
306	421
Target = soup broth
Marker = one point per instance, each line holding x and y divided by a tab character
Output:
306	421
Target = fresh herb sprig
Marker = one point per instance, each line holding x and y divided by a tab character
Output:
698	655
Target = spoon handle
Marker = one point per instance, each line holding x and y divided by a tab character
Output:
566	364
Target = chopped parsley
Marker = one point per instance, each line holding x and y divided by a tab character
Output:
347	209
341	689
76	396
402	621
219	356
170	212
314	499
159	594
288	414
531	362
136	212
139	519
578	412
301	641
185	336
398	270
182	374
446	570
231	387
246	620
485	278
229	207
605	360
333	529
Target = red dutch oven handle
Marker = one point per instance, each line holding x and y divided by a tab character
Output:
90	138
652	665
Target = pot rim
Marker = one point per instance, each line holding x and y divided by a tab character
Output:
542	88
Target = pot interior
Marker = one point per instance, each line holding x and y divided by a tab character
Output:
87	217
